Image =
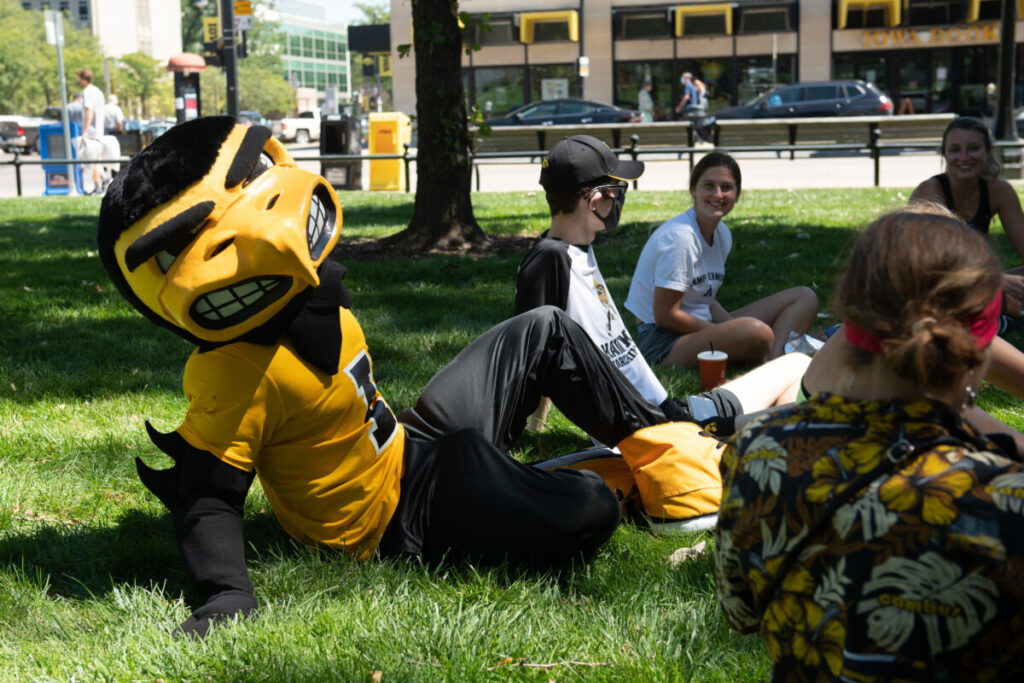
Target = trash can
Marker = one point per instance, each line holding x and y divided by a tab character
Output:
339	134
51	146
388	132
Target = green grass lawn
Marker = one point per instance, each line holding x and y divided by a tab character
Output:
90	582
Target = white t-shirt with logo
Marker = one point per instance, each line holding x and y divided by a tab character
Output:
565	275
677	257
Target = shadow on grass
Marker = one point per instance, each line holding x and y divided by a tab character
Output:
65	326
84	561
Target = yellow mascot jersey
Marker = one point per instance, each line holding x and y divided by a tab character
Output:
327	449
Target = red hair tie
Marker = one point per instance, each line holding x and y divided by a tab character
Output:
983	328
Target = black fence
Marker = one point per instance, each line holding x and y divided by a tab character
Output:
876	148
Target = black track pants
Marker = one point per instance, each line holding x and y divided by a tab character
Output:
497	381
463	499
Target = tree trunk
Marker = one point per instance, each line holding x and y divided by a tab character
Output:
443	213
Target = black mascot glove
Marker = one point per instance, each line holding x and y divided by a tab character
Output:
221	606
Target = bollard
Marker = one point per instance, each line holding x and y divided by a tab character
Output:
17	173
633	152
405	159
876	133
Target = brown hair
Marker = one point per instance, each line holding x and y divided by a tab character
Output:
711	160
85	75
992	166
914	275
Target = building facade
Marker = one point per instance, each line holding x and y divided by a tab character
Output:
928	55
315	52
124	26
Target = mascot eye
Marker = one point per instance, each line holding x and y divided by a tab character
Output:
262	164
166	257
165	260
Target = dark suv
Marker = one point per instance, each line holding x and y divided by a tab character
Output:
824	98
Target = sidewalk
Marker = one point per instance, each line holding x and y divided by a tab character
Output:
761	171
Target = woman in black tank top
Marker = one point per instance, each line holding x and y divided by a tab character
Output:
971	188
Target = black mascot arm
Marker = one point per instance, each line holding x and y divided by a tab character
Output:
210	537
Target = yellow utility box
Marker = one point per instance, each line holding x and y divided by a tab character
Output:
388	133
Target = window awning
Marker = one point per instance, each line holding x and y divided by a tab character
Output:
528	20
891	7
724	9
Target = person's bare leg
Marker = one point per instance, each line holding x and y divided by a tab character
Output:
744	339
791	310
774	383
1006	369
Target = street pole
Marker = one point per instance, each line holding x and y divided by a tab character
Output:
230	55
56	20
1005	125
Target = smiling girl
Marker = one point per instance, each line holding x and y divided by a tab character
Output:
680	271
971	188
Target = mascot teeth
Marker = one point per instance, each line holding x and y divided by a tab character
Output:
220	307
320	224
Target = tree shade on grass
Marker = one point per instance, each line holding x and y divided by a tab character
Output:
90	582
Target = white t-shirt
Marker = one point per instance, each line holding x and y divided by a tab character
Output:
676	257
92	98
565	275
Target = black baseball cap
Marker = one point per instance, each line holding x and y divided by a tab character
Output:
577	160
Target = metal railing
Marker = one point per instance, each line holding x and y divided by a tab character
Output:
1010	151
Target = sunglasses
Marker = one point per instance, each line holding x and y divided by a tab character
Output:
614	191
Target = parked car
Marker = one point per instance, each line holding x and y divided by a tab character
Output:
158	128
252	118
300	129
23	135
552	112
822	98
12	135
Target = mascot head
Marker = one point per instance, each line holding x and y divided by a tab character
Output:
212	230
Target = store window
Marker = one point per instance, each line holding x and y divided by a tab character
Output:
851	14
498	90
758	74
703	20
978	65
540	27
931	12
979	10
867	67
767	19
716	74
642	25
496	30
553	81
630	77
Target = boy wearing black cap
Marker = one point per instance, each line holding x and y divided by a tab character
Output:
585	185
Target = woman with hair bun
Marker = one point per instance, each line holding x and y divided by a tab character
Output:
971	187
871	531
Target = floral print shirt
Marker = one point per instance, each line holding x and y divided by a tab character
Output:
919	576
